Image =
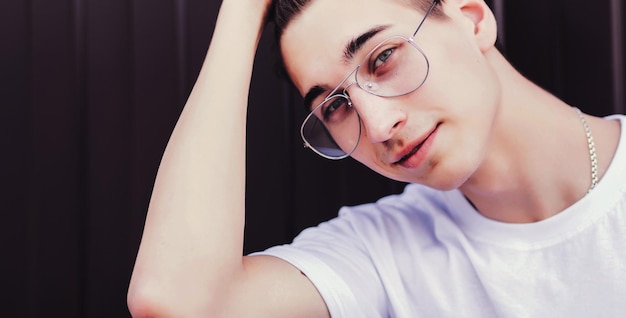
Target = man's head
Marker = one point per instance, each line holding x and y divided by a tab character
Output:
436	134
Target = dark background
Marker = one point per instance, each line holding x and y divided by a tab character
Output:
91	89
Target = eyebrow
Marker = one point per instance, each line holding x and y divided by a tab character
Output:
353	47
350	50
313	93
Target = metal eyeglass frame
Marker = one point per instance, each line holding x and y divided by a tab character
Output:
345	95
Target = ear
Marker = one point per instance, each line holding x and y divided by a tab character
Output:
482	20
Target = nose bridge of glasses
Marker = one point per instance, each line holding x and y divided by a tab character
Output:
339	86
345	90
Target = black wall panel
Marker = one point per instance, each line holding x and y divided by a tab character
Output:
90	91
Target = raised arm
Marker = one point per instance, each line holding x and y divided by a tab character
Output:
190	261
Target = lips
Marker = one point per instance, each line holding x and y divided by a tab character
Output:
408	155
414	154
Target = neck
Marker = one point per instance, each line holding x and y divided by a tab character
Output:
537	163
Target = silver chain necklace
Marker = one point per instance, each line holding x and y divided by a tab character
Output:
592	151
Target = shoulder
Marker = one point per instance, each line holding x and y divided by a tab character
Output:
416	215
353	259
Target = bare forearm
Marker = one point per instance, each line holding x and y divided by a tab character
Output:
193	236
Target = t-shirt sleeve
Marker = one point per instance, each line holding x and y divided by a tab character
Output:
339	266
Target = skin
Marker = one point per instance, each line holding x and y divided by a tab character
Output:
490	142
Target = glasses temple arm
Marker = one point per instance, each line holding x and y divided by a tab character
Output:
432	6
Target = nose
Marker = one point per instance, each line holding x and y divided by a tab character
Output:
379	119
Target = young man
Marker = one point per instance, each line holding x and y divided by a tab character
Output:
507	213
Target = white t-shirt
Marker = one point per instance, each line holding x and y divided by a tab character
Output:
429	253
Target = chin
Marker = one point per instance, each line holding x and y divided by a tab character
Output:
444	175
453	176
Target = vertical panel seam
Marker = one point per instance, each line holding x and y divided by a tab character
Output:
617	52
32	269
181	48
289	119
80	78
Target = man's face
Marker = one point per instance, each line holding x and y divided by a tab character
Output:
435	136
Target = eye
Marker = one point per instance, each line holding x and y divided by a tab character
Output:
334	108
382	58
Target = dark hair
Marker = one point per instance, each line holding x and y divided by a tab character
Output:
285	11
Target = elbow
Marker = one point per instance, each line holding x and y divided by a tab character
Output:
159	293
145	300
141	305
154	301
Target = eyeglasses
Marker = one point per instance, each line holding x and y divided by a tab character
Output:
395	67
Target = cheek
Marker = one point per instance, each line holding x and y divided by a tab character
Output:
463	87
365	154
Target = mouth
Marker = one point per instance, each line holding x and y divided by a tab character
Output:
407	156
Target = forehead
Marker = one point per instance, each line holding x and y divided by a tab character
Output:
313	43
